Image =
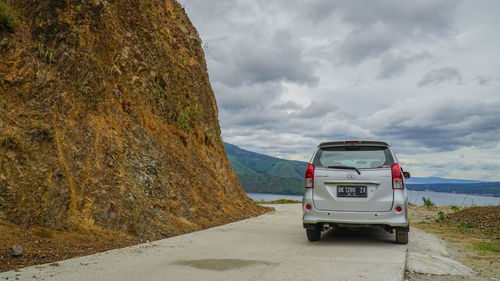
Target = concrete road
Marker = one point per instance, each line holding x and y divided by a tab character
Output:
269	247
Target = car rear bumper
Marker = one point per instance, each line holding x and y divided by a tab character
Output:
390	218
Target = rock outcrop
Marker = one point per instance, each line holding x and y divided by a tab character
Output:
108	120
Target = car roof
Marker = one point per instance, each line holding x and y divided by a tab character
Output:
354	143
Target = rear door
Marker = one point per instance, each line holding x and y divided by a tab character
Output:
340	187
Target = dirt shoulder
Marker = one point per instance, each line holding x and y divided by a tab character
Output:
43	245
472	235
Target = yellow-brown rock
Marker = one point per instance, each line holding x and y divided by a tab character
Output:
108	120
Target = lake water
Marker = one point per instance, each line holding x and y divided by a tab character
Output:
414	197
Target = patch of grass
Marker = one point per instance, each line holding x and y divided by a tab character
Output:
455	208
466	224
440	216
279	201
10	141
78	7
8	17
486	247
159	93
428	202
97	100
178	9
182	121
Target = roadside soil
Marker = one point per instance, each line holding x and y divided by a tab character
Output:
43	245
472	235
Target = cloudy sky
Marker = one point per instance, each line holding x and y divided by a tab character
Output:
423	75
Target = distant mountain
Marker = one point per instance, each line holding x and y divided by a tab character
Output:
266	174
437	180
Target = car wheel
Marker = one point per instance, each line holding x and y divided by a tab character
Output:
313	234
401	236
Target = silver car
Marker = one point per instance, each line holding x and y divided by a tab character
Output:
355	184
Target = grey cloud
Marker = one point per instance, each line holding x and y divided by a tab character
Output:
254	59
379	26
440	75
245	47
317	109
289	105
484	80
363	44
427	18
442	126
247	96
393	65
278	58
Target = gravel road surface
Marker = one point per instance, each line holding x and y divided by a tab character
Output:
270	247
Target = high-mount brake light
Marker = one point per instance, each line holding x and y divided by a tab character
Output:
397	177
352	141
309	176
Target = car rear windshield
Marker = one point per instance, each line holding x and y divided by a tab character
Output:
361	157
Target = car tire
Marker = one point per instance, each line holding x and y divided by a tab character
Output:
401	236
313	234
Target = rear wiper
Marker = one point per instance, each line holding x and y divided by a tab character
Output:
345	167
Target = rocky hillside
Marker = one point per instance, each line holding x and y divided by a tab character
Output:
108	121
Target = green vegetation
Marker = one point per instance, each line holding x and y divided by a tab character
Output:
159	93
455	208
440	216
280	201
78	7
178	9
5	140
266	174
10	141
182	121
8	17
428	202
486	247
466	224
265	183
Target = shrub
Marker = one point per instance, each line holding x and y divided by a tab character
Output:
486	247
8	18
428	202
440	216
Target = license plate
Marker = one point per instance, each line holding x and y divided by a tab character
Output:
351	191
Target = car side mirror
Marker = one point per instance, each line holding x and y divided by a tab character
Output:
406	175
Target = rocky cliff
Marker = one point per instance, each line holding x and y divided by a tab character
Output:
108	120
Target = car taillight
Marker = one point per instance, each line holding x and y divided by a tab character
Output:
397	177
310	176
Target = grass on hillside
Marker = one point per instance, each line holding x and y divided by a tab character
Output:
279	201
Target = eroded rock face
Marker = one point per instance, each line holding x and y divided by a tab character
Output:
108	119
